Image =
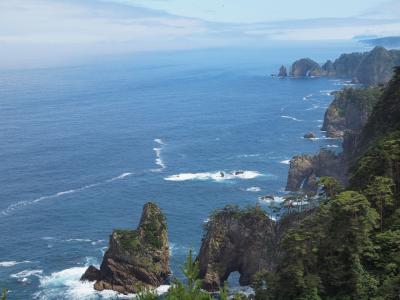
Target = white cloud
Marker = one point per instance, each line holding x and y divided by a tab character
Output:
45	30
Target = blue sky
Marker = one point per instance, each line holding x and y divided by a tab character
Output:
33	31
260	10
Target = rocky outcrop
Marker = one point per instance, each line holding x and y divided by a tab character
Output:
305	169
246	241
305	67
369	68
283	72
329	69
350	110
135	258
309	135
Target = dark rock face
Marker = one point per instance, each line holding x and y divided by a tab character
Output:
245	241
304	170
377	66
305	67
349	110
135	258
309	135
91	274
329	69
283	72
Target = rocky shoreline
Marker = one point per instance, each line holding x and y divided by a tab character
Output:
369	68
249	241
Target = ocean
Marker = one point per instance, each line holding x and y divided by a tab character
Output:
83	147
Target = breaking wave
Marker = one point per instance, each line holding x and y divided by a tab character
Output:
67	283
253	189
8	264
215	176
159	161
291	118
285	162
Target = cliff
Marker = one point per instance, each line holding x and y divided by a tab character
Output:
369	68
350	110
305	67
135	258
348	246
242	240
304	170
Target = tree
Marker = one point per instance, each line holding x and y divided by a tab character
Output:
191	291
380	193
330	186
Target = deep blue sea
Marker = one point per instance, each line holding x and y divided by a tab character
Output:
82	148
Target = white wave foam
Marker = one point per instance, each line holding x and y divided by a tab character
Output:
159	161
215	176
67	283
159	141
248	155
307	97
269	200
79	240
22	204
24	275
285	162
291	118
332	146
7	264
253	189
122	176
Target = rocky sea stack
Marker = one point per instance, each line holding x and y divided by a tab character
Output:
135	258
368	68
283	72
305	67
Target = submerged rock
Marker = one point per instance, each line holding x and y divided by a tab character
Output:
135	258
309	135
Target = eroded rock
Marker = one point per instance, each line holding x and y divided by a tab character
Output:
135	258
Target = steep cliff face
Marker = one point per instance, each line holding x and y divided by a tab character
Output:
369	68
346	65
245	241
349	110
305	67
377	66
135	258
305	169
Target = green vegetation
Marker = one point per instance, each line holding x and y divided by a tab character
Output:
148	233
189	291
362	98
4	295
349	247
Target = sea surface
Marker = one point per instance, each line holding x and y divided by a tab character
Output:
83	147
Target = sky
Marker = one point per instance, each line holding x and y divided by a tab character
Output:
38	31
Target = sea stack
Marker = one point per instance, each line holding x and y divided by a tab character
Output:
306	67
135	259
283	72
236	240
